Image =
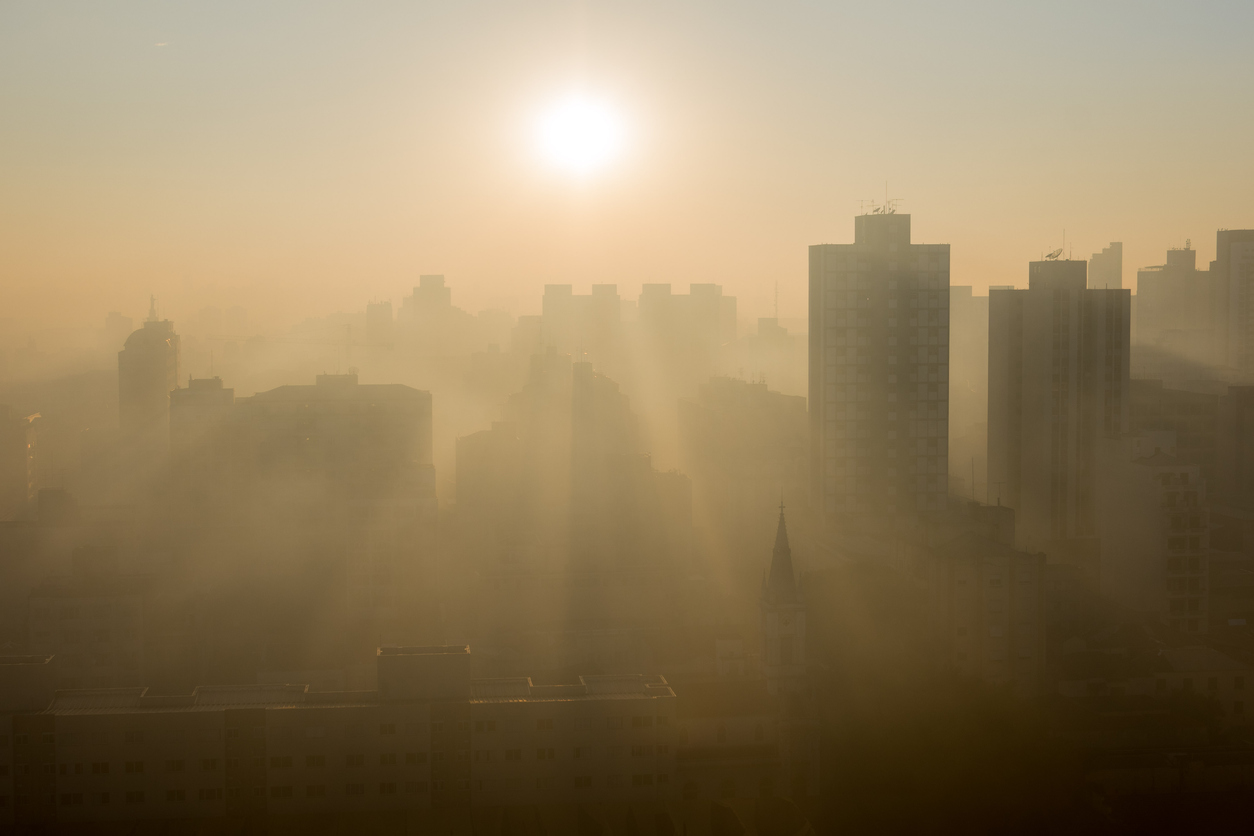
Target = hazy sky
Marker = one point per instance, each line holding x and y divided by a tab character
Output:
302	157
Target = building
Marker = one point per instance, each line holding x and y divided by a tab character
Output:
584	326
879	371
968	392
19	450
1175	312
1106	268
94	628
429	738
989	600
1058	358
1233	272
744	446
148	370
1155	530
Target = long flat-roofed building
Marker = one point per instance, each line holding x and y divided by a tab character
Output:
430	737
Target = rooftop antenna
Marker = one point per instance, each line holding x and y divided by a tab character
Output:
152	308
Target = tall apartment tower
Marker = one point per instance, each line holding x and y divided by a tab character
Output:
148	370
1057	383
879	371
1233	271
1106	268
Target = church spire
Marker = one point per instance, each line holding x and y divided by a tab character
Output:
781	584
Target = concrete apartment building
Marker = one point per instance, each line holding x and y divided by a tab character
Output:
429	737
1057	383
879	371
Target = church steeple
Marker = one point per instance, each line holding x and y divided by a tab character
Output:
781	584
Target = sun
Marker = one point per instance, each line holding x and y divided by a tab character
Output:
580	134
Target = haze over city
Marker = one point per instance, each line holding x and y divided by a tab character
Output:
638	418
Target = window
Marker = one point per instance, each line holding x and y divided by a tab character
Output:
315	761
663	750
354	760
613	722
232	734
641	751
174	795
134	767
543	754
387	788
544	783
316	791
483	756
513	754
211	794
415	787
281	762
663	720
173	766
415	758
355	789
315	731
387	728
1238	683
68	798
100	769
583	781
280	792
135	797
579	752
544	725
134	736
642	780
208	764
387	759
641	722
485	725
104	798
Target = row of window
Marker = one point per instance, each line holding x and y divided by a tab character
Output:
386	788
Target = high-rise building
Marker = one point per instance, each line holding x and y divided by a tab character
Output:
879	370
1233	269
1106	268
1058	358
1175	313
148	370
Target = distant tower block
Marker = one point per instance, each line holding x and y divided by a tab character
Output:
148	370
1106	268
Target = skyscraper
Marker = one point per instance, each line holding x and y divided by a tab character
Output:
879	370
1058	359
1233	271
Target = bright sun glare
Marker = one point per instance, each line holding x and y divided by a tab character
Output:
580	134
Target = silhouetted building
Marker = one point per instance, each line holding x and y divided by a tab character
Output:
1233	274
148	370
989	599
1175	312
18	471
744	447
93	628
879	371
1192	417
582	325
1155	530
379	324
1106	268
968	392
429	739
783	621
1058	382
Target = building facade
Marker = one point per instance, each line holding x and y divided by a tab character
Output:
879	371
1057	383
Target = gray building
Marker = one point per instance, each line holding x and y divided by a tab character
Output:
879	370
1106	268
1057	382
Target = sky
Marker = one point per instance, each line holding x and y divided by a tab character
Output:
299	158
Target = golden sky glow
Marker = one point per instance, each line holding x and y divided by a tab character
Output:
304	157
